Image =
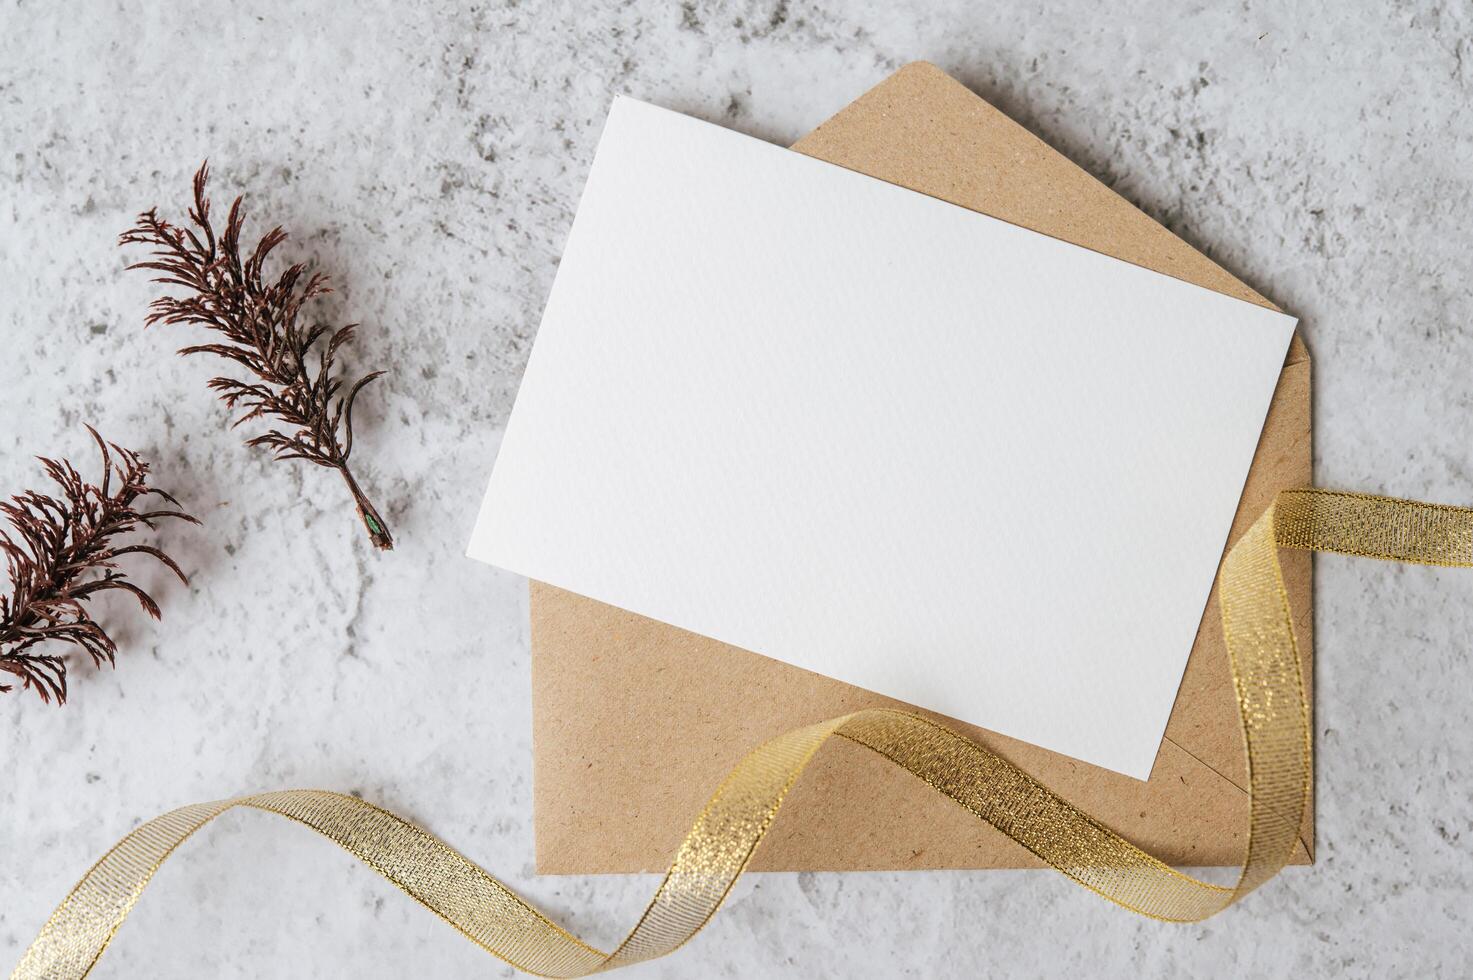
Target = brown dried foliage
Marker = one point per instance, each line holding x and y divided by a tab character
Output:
263	331
60	552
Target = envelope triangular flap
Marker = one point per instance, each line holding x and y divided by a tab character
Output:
635	722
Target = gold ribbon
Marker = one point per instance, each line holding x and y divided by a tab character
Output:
1275	723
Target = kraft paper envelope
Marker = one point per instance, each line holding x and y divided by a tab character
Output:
635	722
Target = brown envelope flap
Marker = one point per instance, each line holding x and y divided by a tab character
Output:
1032	185
635	721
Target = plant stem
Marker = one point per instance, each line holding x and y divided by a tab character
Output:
378	530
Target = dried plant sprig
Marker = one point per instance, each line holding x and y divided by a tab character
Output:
60	552
263	331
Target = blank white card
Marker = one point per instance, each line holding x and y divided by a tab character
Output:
881	437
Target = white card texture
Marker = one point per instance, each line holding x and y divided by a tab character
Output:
881	437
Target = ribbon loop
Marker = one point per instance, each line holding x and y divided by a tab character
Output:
1273	707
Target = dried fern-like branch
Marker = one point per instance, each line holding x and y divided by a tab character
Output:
262	330
60	552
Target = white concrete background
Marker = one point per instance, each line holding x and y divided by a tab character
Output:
429	156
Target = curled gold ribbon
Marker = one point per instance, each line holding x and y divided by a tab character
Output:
1275	723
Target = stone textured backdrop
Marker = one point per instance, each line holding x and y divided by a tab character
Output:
429	156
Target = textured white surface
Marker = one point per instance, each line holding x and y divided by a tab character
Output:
429	157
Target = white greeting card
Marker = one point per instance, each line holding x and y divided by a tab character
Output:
881	437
